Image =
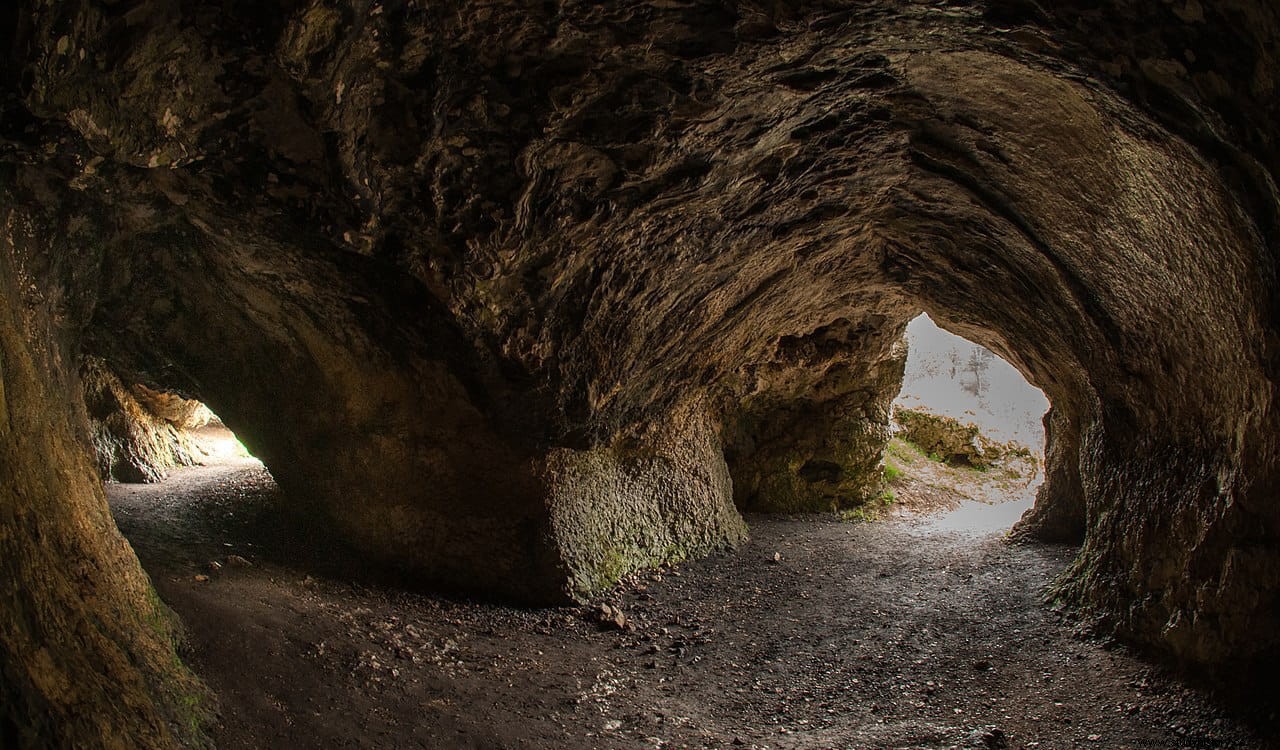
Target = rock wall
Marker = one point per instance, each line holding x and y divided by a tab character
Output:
132	443
1059	514
87	649
1169	400
182	413
809	434
457	272
661	498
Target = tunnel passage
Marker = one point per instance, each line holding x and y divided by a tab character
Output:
140	434
518	301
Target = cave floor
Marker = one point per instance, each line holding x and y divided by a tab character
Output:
902	633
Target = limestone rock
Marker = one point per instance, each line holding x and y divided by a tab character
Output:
518	298
182	413
132	442
88	647
953	441
810	434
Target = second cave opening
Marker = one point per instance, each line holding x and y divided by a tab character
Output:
967	447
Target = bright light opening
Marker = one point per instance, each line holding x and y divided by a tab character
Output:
955	377
951	377
219	443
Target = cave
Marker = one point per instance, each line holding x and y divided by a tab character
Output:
520	302
968	422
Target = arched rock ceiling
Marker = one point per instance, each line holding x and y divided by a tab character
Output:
497	285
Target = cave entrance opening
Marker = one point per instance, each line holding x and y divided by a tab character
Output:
220	444
968	438
181	486
141	434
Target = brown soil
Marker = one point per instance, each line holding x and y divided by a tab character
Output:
816	634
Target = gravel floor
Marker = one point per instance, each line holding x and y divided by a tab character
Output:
903	633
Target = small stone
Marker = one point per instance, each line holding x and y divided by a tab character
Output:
201	578
214	566
238	561
777	557
612	618
991	738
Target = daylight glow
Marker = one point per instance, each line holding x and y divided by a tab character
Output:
223	444
949	375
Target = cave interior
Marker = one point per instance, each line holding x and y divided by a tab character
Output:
520	299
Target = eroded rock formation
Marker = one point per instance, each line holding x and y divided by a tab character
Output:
89	649
138	434
809	432
494	287
955	442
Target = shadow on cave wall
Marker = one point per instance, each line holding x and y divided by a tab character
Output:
525	281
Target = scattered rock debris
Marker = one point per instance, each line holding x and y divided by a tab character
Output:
884	635
612	618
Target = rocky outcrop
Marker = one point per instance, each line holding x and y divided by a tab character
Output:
182	413
955	442
88	648
1059	514
809	436
485	286
131	440
660	498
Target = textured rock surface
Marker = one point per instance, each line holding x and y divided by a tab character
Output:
132	443
810	435
453	271
661	498
86	647
182	413
953	441
1059	514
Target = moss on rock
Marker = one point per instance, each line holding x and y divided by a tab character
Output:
659	500
955	442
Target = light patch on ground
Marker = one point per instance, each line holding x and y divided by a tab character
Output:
939	497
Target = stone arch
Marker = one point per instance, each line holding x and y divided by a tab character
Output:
515	326
1159	396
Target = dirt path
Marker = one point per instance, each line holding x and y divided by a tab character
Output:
905	633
